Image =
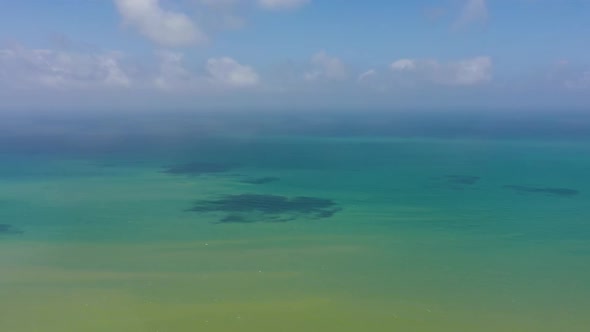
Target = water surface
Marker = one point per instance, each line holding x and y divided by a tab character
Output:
297	233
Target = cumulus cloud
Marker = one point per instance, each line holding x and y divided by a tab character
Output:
569	75
219	73
229	72
474	11
366	75
174	28
282	4
459	73
172	73
165	27
403	65
21	67
324	66
44	69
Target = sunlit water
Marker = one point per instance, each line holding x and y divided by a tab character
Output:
423	235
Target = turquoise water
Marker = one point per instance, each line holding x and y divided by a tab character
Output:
423	235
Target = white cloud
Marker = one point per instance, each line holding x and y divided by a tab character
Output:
174	28
165	27
172	74
464	72
571	76
468	72
282	4
115	76
474	11
43	69
27	68
324	66
223	72
403	64
366	75
228	71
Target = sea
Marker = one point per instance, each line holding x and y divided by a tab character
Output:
285	221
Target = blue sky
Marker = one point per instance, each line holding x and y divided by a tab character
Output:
290	54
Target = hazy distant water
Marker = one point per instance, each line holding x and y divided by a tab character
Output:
422	235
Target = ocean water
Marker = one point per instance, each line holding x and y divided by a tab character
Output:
296	233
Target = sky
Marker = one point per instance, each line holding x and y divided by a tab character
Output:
294	54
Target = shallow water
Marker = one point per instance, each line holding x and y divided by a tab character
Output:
427	237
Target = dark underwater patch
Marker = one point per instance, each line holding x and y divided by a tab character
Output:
235	218
465	180
564	192
248	208
199	168
9	229
456	182
263	180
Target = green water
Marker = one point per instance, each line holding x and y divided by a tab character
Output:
107	243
